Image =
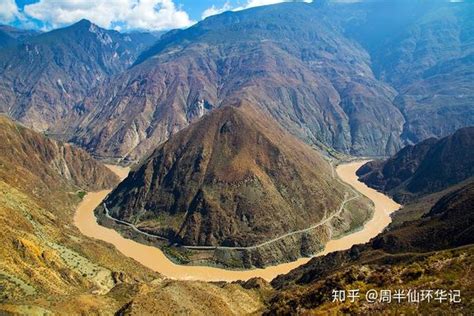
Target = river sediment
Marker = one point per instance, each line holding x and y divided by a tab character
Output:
156	260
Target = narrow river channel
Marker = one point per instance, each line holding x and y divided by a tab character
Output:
154	258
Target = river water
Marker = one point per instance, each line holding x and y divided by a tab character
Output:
154	258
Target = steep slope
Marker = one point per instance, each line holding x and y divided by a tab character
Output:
41	253
304	73
235	179
59	167
424	50
48	267
427	167
429	253
44	79
11	36
362	78
437	97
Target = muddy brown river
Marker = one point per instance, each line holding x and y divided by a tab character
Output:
154	258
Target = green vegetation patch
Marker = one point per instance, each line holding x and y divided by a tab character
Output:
81	194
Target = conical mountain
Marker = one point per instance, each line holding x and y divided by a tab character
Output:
233	178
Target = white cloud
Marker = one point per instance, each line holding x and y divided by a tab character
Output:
249	4
213	10
9	11
128	14
257	3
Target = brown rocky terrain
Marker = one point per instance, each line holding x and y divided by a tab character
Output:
424	168
44	78
48	266
361	78
306	74
352	78
235	179
30	158
429	245
431	252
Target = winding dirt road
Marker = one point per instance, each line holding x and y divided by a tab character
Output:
154	258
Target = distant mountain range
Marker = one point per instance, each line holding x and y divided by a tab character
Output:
424	168
288	59
44	78
10	36
361	78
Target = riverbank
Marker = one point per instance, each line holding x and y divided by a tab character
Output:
154	258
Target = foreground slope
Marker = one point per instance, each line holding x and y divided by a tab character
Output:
428	246
432	252
47	266
235	179
424	168
40	182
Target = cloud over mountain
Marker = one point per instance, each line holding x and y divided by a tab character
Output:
213	10
9	11
119	14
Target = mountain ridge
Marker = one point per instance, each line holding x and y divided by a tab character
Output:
45	77
325	94
424	168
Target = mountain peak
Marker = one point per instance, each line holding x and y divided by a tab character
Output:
233	178
83	23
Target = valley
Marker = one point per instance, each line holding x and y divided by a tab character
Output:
155	259
163	158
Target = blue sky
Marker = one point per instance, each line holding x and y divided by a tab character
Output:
118	14
196	8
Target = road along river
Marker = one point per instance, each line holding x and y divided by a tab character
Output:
154	258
